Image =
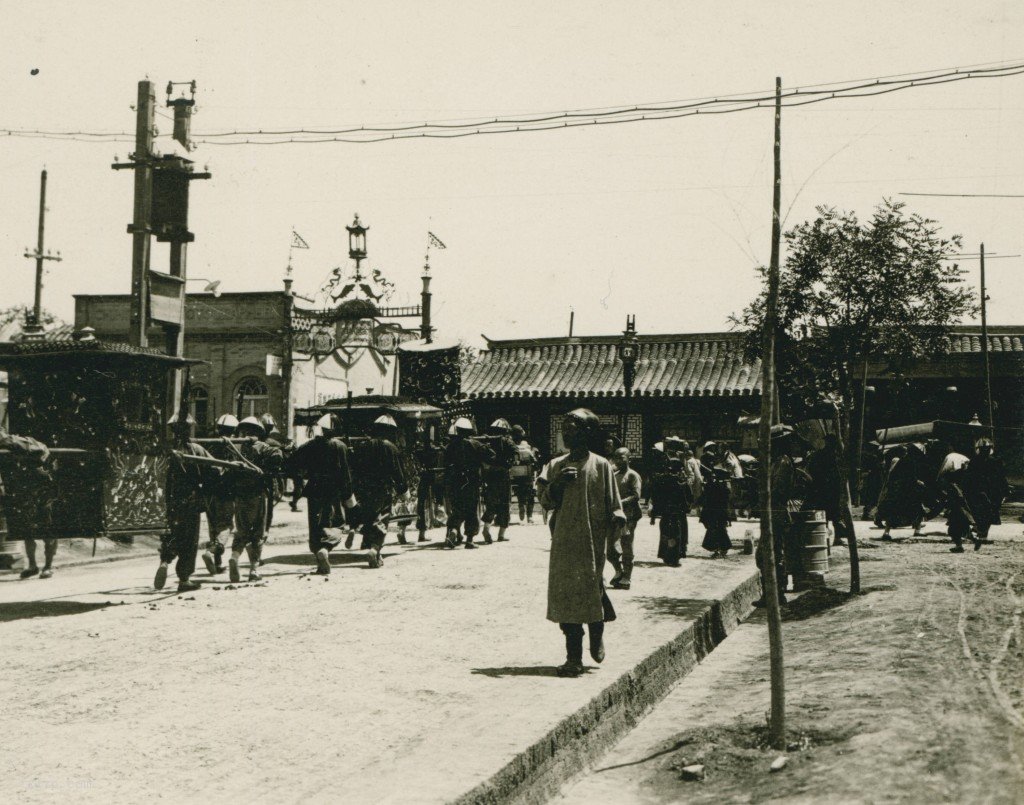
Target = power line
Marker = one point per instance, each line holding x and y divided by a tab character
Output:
967	195
725	104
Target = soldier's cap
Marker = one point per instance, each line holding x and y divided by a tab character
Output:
326	422
188	420
500	424
227	421
462	423
252	422
385	421
709	444
267	420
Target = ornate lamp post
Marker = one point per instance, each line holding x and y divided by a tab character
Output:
357	244
629	351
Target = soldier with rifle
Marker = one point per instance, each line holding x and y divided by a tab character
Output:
323	462
464	460
251	497
498	480
29	485
379	478
220	499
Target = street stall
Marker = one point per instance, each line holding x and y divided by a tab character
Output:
101	408
418	423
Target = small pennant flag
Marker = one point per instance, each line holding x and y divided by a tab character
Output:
435	241
298	242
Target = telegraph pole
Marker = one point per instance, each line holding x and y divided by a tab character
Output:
777	722
35	325
984	343
145	108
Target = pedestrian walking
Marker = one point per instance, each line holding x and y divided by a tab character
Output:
959	518
464	460
378	478
671	502
620	552
716	513
523	474
251	498
901	502
323	463
186	500
498	481
985	487
580	489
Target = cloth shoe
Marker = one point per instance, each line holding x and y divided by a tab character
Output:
450	540
211	566
571	668
29	572
323	562
187	586
233	573
160	579
47	573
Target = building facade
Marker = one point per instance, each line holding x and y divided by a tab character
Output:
263	353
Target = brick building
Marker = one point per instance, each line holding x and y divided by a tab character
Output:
264	353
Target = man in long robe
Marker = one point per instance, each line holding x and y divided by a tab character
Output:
581	490
30	487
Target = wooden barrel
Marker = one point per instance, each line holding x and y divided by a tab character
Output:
810	532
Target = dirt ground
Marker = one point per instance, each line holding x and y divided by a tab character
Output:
411	683
911	692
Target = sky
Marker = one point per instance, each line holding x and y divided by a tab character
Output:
665	220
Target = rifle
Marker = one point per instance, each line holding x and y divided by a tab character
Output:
216	462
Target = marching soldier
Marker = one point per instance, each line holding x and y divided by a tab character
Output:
251	497
185	503
498	481
30	481
220	500
379	478
523	472
323	462
428	459
464	459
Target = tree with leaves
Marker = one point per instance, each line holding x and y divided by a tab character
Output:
851	292
21	314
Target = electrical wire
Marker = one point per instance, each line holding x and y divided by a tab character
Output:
510	124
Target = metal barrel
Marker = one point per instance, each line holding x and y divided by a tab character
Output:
811	533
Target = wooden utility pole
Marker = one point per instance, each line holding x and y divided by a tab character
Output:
36	325
984	343
777	722
145	108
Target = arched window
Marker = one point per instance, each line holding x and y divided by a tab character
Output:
200	408
251	397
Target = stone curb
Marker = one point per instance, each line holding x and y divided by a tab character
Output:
537	772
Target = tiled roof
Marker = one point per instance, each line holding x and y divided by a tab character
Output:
668	366
961	343
22	350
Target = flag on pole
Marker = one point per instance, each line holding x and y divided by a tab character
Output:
298	242
435	241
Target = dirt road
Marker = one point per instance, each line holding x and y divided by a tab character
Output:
412	683
913	692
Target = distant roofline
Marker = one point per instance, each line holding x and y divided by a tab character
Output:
720	335
202	294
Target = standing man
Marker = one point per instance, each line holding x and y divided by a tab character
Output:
464	460
693	472
220	499
379	478
985	487
523	472
184	493
29	487
323	462
630	486
251	498
498	481
671	501
588	515
824	490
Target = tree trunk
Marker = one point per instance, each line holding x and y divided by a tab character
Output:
845	510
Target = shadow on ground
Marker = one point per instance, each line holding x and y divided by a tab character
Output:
524	670
307	560
20	610
688	608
